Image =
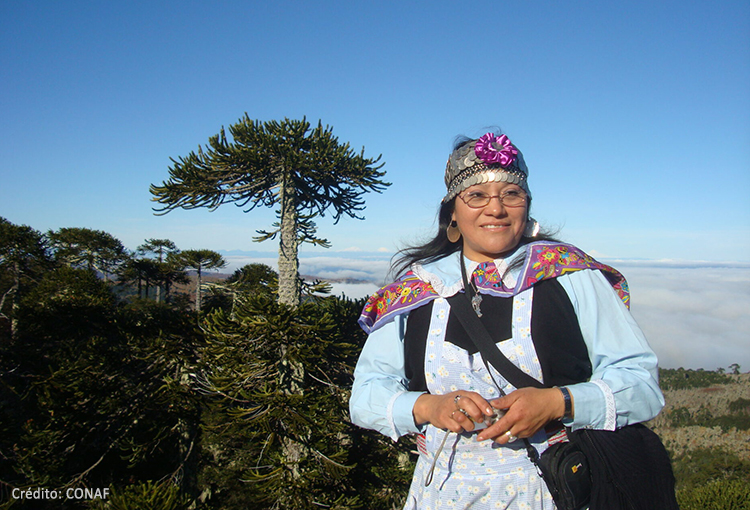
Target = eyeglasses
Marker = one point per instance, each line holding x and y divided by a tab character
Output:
479	199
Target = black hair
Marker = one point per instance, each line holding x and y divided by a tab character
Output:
435	249
440	247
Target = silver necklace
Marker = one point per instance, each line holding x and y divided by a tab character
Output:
476	299
470	285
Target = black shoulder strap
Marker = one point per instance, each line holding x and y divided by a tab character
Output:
462	309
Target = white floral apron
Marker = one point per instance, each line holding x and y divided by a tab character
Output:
469	473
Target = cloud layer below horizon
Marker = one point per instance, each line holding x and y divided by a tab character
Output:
694	314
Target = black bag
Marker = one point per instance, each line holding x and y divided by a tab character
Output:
566	472
630	468
623	469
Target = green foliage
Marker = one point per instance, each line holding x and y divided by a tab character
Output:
147	495
22	248
680	378
24	257
276	431
100	393
158	266
699	467
254	278
85	248
96	392
250	279
159	247
739	422
200	260
246	168
716	495
740	406
738	418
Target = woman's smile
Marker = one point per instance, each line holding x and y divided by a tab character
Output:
489	232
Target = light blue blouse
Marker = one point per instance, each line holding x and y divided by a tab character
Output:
623	389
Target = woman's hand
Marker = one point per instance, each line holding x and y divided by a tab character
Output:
528	410
445	411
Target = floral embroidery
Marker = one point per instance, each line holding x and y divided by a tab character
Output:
543	260
487	275
550	260
398	295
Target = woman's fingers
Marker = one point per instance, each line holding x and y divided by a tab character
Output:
528	410
473	405
456	411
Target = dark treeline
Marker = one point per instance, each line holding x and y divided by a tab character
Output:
110	377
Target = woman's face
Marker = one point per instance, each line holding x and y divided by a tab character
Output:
491	231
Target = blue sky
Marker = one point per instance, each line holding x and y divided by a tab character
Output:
634	119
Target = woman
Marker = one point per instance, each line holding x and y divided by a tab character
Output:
556	313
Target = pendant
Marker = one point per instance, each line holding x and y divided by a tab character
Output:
476	303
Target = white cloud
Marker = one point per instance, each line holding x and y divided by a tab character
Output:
371	268
694	314
237	261
596	254
694	317
353	290
355	265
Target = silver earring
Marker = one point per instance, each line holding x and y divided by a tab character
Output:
452	232
532	228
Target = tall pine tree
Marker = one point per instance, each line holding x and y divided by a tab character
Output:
304	171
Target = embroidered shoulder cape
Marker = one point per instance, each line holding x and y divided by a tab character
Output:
541	260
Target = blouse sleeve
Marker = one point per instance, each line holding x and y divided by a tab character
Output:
624	385
380	399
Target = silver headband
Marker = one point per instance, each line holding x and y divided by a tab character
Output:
466	168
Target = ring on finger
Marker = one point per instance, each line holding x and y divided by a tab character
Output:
455	401
511	437
462	411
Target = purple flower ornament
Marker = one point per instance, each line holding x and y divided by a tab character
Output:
495	150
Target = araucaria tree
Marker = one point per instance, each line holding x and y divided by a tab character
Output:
303	171
200	260
85	248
